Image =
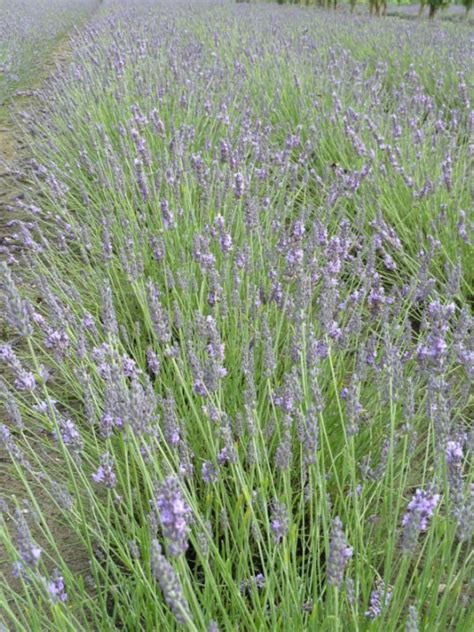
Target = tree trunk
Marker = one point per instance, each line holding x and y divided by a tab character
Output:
432	12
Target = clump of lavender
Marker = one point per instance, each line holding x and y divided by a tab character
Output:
279	521
174	515
416	519
339	554
379	600
209	273
170	585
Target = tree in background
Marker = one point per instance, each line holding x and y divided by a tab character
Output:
378	7
467	4
435	5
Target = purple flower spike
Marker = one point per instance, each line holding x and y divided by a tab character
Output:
170	585
339	554
28	550
174	514
416	519
105	474
379	600
279	522
56	588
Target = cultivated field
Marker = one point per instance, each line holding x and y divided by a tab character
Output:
237	349
28	30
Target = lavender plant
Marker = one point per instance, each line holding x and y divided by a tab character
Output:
238	350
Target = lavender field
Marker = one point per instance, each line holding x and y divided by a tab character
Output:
28	29
237	334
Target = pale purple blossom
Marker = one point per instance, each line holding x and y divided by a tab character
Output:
339	554
174	514
105	474
170	585
417	517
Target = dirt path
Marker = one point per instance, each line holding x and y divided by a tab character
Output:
14	153
10	161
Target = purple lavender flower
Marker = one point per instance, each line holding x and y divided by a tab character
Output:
200	388
353	406
56	588
283	452
70	435
279	521
15	453
411	624
62	496
454	453
461	501
167	215
58	341
239	185
152	361
141	180
105	474
25	381
174	514
309	436
129	367
17	310
416	519
258	581
171	425
339	554
28	550
170	585
108	311
158	314
350	590
379	600
157	122
269	360
10	405
209	472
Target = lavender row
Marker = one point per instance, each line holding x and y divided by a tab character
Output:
242	322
